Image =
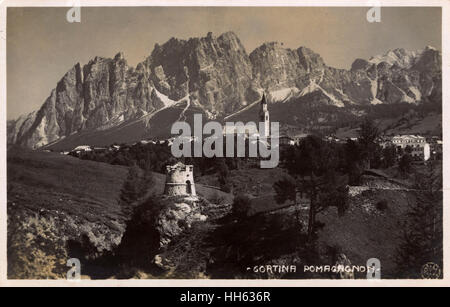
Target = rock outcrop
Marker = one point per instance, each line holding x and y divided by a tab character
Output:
178	217
156	223
216	75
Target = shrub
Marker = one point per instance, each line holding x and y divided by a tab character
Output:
35	249
241	206
135	187
382	205
405	164
225	187
215	198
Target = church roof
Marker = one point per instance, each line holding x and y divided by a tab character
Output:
263	100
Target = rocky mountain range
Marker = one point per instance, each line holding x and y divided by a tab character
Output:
217	77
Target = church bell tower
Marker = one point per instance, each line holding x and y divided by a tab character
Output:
264	117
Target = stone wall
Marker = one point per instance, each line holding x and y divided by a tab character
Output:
180	180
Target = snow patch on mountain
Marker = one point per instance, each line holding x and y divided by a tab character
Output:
282	95
164	99
401	57
374	91
374	87
322	73
114	121
408	99
244	109
41	131
311	87
188	104
336	102
344	96
416	92
376	101
314	87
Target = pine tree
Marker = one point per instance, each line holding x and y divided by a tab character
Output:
422	237
405	164
313	166
136	186
368	135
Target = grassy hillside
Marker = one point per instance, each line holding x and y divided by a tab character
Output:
428	125
308	112
61	207
57	206
365	232
59	182
431	124
51	180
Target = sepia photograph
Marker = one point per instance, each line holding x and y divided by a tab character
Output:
224	143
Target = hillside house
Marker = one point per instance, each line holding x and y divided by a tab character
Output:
418	145
286	140
82	149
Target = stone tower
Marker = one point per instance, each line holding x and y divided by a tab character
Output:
264	117
180	180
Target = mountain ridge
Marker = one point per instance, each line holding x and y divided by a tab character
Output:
216	75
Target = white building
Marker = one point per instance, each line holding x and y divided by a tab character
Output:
82	148
418	145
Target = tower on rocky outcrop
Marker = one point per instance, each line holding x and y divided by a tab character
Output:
180	180
264	117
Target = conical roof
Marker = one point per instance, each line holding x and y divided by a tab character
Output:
263	100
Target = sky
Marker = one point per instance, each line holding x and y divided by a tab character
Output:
42	46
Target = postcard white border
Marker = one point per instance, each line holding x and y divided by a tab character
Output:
445	5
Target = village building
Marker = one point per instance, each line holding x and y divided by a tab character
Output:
100	149
436	147
286	140
299	137
114	147
384	141
418	145
82	149
180	180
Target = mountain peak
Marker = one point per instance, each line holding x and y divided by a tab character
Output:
309	59
399	57
272	45
360	64
428	47
228	34
231	39
119	56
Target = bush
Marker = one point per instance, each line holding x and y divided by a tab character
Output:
241	206
215	198
382	205
405	164
35	248
135	187
141	238
226	187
